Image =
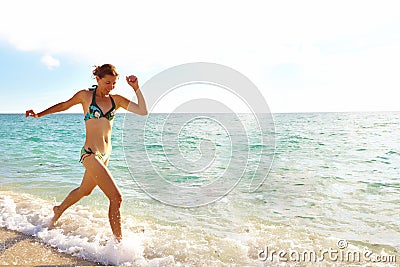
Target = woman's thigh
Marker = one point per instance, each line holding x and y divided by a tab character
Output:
87	184
101	176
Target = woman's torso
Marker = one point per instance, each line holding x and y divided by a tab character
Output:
98	127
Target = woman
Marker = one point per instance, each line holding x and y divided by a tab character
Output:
99	107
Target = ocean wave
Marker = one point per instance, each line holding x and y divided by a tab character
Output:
82	233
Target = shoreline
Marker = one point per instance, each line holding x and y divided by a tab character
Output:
19	249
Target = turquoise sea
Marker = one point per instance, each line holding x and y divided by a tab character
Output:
333	186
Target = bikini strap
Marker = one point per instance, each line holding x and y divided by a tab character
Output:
94	87
87	153
112	103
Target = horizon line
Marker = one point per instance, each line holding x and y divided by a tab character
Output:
282	112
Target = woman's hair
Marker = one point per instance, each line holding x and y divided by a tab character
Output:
106	69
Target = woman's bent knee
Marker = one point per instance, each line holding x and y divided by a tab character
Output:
85	192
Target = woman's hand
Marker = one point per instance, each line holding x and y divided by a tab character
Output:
132	80
31	113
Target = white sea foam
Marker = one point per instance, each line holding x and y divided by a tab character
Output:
82	233
85	233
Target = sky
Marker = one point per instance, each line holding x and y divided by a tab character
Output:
303	56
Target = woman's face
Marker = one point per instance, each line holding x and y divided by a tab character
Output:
107	83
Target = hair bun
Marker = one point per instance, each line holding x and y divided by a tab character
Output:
106	69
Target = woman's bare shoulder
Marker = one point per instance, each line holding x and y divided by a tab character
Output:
118	97
81	96
84	93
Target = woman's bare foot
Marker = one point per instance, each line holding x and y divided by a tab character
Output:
57	214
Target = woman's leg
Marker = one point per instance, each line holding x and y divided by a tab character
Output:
86	187
100	174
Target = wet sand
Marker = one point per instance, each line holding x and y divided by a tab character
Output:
20	249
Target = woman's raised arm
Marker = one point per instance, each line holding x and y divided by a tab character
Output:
140	107
76	99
